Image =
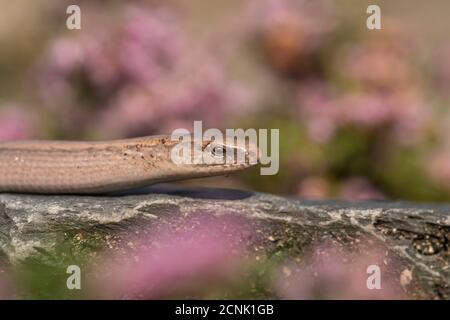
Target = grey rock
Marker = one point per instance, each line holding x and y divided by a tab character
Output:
418	235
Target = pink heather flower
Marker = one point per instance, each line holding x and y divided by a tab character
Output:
442	69
149	45
330	272
100	65
68	82
365	110
191	93
318	111
358	188
15	123
65	55
378	61
132	112
291	31
137	76
438	167
6	290
400	113
182	258
411	116
314	188
315	19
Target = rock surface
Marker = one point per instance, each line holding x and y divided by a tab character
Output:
417	234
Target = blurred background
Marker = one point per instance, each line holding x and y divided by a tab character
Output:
363	114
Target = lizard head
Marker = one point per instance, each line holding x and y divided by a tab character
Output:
190	158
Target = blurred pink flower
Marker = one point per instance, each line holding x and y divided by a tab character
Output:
442	69
183	258
379	60
291	31
193	92
149	44
402	114
365	110
438	167
411	115
65	55
359	188
317	111
314	188
384	96
332	273
6	290
139	76
15	123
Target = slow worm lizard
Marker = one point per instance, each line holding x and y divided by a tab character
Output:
63	167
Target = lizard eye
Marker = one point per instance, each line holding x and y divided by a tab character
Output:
218	151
